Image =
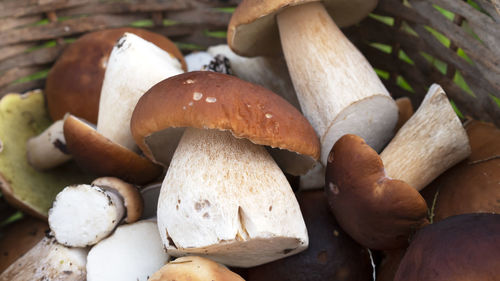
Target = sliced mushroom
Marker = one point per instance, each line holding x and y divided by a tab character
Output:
224	196
48	260
82	215
134	66
132	253
193	268
376	199
338	90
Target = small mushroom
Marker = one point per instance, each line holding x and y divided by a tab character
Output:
22	117
134	66
132	253
338	90
48	260
82	215
376	199
460	248
224	197
193	268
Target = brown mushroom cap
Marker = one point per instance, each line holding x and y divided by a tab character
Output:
132	198
331	255
193	268
212	100
100	156
460	248
472	186
74	82
253	30
377	211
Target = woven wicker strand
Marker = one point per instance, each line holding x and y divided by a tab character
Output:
20	35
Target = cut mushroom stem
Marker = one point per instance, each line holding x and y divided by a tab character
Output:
82	215
133	67
338	90
48	260
48	150
430	142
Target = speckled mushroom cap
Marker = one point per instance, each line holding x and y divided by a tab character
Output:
459	248
102	157
74	82
377	211
253	31
212	100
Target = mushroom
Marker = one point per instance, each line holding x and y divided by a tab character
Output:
22	117
134	66
376	199
83	215
74	85
132	253
197	60
331	255
338	90
405	109
224	196
463	247
193	268
472	186
150	194
48	260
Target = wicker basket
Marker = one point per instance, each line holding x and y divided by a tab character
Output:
412	43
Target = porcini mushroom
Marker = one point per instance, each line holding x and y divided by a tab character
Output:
224	196
132	253
134	66
376	199
48	260
193	268
338	90
83	215
150	194
461	248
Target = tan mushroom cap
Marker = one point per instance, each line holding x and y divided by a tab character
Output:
377	211
100	156
253	30
212	100
193	268
74	82
132	198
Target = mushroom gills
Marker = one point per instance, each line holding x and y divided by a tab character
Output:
83	214
227	199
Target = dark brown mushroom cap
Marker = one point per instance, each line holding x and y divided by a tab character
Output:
74	82
331	255
472	186
377	211
212	100
253	30
459	248
98	155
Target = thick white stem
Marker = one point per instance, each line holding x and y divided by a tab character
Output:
227	199
134	66
48	150
338	90
430	142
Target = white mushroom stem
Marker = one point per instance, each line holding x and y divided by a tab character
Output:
134	66
338	90
48	260
133	252
314	179
430	142
48	150
226	198
82	215
271	73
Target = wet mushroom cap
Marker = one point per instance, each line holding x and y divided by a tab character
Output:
377	211
74	82
211	100
460	248
253	30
